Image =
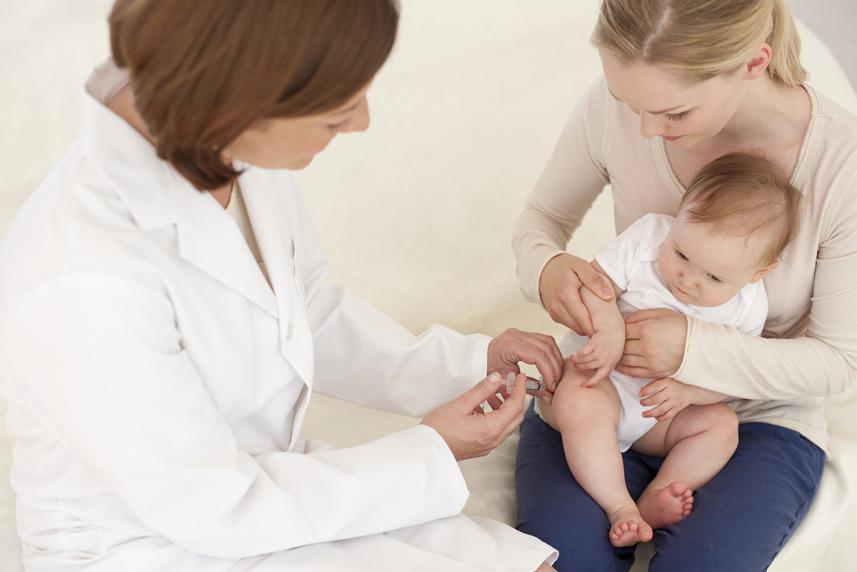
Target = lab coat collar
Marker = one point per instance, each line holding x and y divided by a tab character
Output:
157	195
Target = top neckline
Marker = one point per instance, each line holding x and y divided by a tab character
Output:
796	177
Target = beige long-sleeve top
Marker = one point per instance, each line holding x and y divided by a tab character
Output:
809	346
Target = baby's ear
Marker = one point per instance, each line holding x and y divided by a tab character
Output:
762	271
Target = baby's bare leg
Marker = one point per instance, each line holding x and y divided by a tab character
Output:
587	418
697	443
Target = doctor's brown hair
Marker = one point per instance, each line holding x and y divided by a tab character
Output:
203	72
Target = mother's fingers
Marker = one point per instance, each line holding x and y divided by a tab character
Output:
629	360
562	311
650	314
634	347
640	372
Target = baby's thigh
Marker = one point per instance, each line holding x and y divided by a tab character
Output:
717	419
573	403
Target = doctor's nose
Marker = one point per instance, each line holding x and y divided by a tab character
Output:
359	119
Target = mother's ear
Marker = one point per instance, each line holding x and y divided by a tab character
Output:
758	63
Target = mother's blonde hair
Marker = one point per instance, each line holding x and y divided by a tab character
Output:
701	39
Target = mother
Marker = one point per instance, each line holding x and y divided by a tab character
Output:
164	317
686	81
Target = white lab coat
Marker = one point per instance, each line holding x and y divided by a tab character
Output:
157	384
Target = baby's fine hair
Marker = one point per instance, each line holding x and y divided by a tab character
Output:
744	194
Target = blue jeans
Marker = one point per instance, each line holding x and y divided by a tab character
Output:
740	521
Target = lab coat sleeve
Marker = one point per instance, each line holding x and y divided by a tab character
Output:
364	356
100	362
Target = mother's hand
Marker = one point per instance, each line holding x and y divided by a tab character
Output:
654	343
559	288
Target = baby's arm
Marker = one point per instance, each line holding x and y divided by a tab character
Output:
667	397
604	349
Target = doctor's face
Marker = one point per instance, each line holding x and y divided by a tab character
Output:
680	112
291	143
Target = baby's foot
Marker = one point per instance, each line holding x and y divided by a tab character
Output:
662	506
627	527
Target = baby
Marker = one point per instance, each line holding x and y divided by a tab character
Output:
708	262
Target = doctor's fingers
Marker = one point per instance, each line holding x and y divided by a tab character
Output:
543	353
485	390
495	402
511	411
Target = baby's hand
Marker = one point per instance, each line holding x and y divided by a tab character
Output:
667	396
601	353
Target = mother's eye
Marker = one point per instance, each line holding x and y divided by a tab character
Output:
676	116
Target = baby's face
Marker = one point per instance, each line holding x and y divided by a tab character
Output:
704	268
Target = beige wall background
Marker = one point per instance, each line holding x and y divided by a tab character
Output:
833	21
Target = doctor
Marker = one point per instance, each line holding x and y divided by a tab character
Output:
164	317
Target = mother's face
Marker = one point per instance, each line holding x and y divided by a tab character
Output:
291	143
670	107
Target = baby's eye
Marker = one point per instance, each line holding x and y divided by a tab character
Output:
714	279
680	255
676	116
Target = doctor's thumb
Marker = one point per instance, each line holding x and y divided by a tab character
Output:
486	388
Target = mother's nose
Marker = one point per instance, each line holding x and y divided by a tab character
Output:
649	125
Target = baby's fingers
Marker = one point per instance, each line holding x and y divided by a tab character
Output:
587	349
652	388
600	375
590	362
651	400
666	416
659	410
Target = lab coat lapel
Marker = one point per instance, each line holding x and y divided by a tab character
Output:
264	206
157	196
210	240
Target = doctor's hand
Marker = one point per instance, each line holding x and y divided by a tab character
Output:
467	429
513	346
559	289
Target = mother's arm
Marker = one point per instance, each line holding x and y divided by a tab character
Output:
574	176
821	362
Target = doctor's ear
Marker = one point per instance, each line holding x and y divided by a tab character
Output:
761	273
